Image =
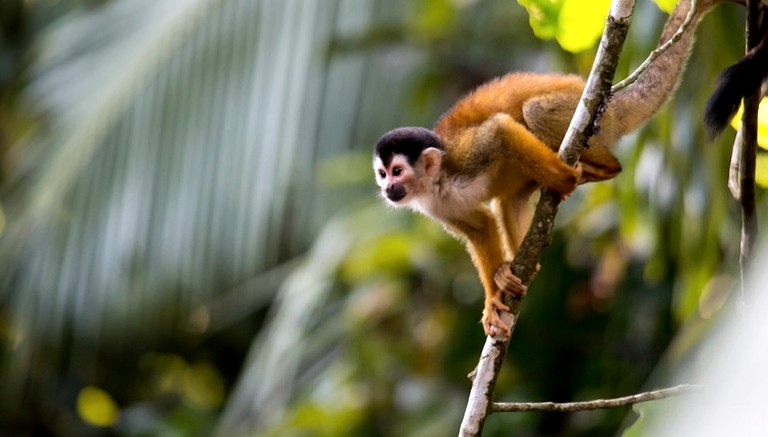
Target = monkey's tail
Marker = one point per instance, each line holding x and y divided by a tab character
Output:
735	82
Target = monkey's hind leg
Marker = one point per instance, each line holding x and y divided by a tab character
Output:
514	214
484	246
524	159
548	117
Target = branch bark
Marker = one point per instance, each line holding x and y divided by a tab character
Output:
540	233
748	150
596	404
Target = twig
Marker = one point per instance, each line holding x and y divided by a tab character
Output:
629	80
540	234
596	404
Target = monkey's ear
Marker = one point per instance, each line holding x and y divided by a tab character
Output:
432	158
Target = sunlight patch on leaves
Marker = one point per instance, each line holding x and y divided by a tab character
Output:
762	122
576	24
581	23
761	170
666	5
96	407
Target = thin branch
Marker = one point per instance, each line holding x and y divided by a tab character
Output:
629	80
540	233
597	404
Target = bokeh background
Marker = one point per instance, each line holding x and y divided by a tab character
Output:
191	241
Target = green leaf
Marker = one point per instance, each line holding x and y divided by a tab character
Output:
576	24
543	16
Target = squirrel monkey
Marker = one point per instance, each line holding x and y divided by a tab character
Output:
477	170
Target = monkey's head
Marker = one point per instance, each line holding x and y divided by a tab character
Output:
406	161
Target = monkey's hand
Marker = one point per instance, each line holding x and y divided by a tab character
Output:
508	282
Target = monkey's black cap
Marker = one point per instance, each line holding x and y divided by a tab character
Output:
407	141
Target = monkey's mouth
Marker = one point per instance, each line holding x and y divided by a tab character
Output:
396	193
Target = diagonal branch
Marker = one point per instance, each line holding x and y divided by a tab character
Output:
596	404
540	233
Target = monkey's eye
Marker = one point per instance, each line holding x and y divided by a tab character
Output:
397	171
382	174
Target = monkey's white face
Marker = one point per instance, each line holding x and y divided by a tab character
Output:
398	181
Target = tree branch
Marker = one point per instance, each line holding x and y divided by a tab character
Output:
594	404
540	233
748	150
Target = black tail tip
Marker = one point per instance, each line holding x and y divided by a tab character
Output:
717	118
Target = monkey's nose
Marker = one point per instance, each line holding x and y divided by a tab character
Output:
396	193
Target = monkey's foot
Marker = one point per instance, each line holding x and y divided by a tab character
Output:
592	172
492	323
579	176
509	285
508	282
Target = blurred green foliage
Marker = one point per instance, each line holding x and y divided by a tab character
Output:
192	243
543	16
576	24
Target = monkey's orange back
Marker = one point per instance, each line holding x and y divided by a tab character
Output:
505	94
543	103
